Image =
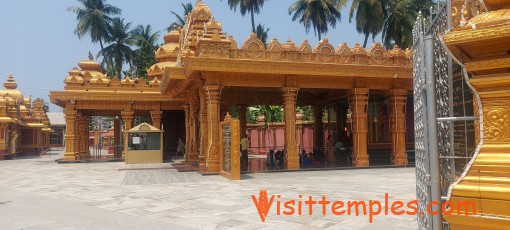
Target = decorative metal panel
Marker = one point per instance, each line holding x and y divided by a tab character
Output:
456	140
423	192
444	103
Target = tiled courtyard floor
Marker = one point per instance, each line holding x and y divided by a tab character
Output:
37	193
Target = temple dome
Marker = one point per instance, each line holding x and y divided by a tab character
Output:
11	89
90	65
172	36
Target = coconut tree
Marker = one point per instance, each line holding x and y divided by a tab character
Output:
119	49
181	19
262	32
143	34
369	17
144	56
93	19
398	23
319	14
248	6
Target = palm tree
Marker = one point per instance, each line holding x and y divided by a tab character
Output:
181	20
144	56
318	14
248	6
143	35
261	32
369	17
398	23
93	19
119	50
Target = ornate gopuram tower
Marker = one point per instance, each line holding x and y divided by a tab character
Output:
483	45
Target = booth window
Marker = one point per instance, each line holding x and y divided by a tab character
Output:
144	141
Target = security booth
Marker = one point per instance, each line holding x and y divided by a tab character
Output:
144	145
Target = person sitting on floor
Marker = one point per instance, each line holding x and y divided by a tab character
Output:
280	157
270	158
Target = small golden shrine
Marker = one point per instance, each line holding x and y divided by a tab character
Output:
24	126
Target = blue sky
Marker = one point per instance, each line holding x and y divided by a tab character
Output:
38	46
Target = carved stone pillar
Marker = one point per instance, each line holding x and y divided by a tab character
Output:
194	138
117	137
289	108
127	117
78	137
3	145
203	131
213	122
241	114
397	102
84	133
187	121
358	99
318	127
156	118
299	130
341	116
70	116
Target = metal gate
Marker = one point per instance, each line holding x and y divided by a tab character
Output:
445	106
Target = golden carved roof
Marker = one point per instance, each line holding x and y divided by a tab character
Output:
358	49
376	50
396	52
497	4
201	12
344	50
74	77
157	69
490	18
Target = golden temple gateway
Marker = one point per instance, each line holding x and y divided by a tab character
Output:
201	73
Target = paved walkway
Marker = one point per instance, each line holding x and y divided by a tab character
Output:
37	193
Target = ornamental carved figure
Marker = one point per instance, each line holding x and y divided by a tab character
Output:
325	52
497	124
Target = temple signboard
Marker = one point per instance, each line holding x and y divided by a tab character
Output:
230	151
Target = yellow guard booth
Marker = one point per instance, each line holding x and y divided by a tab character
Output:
144	145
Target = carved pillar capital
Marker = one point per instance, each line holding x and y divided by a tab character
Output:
156	118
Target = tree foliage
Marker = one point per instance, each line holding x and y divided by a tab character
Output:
144	56
247	6
119	50
368	16
93	19
262	33
317	14
181	19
